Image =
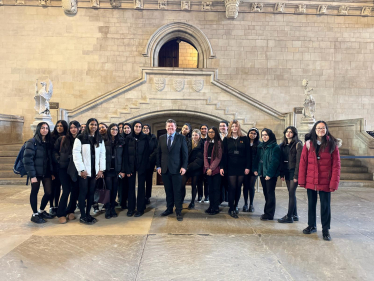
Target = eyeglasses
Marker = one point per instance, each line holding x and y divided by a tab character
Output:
211	132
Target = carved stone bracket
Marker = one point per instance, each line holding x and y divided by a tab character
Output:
162	4
20	2
207	6
257	7
95	3
185	5
343	10
115	3
138	4
44	2
366	11
322	9
232	8
301	9
279	7
69	6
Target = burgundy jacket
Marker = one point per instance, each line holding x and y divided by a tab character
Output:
323	174
214	162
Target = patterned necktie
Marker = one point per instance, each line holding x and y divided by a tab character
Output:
169	143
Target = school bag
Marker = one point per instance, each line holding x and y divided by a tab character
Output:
19	168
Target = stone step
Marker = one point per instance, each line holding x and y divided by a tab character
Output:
354	183
11	147
354	169
9	153
356	176
350	163
8	174
7	160
6	167
13	181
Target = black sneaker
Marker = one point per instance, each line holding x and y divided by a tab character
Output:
286	219
237	210
200	199
91	219
245	208
206	200
251	209
310	229
45	215
37	219
85	220
53	211
233	214
326	235
138	214
295	218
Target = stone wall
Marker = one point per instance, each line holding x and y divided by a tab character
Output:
11	127
187	55
263	55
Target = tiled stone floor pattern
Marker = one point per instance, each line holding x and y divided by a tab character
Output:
202	247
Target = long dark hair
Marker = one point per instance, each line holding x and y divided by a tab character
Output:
257	139
116	138
86	132
295	137
39	135
68	140
327	140
64	125
216	139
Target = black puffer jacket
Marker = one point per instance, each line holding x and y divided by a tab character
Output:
119	149
153	143
61	156
38	162
195	160
136	153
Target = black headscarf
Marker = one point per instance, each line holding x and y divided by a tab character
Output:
149	127
271	135
133	131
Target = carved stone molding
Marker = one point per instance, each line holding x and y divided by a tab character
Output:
138	4
115	3
366	11
343	10
185	5
198	85
20	2
257	7
301	9
95	3
207	6
322	9
178	84
44	2
162	4
69	6
279	7
232	8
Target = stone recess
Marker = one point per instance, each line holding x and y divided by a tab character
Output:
263	55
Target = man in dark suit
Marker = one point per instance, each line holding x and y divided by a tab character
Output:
172	161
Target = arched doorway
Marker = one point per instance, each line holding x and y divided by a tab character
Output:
178	53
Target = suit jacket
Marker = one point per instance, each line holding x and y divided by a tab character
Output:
176	158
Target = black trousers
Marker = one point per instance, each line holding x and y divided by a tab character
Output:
214	183
112	181
325	200
269	193
249	188
68	188
173	190
148	182
86	190
138	201
123	191
203	182
224	196
56	191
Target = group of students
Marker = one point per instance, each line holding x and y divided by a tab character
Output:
219	161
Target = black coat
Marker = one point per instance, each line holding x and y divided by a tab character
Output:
196	160
136	153
152	150
176	158
119	150
61	157
37	162
293	159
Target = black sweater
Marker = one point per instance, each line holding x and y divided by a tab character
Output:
232	163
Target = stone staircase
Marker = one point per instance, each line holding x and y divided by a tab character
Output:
353	173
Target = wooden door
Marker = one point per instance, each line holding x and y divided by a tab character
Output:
169	55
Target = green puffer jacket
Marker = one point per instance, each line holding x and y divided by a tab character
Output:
267	160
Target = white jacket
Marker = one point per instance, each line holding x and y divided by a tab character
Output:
82	157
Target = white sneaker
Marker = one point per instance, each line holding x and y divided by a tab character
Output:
206	200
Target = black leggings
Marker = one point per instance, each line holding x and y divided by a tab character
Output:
71	188
47	185
235	189
194	182
86	190
56	191
249	187
203	181
292	208
112	182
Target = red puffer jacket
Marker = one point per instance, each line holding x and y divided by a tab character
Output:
323	174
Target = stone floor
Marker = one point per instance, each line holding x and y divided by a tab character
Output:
201	247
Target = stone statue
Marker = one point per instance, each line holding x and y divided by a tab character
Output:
42	97
70	6
309	102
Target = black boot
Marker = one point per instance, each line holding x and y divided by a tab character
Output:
108	213
113	212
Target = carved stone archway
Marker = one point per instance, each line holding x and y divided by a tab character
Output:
182	31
